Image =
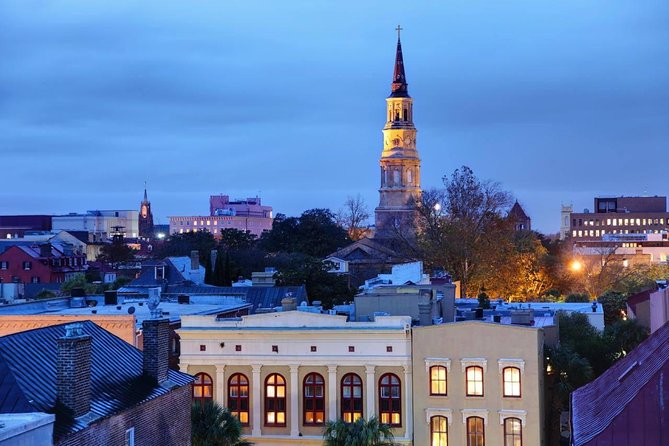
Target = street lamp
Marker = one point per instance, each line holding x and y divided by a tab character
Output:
576	266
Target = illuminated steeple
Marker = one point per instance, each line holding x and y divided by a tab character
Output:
399	87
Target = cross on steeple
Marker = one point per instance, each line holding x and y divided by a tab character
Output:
398	29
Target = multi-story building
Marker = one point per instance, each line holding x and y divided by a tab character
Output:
101	224
244	215
43	263
12	226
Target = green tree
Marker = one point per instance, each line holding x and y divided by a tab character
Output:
181	245
484	300
577	298
353	217
78	281
614	304
358	433
116	253
624	336
234	239
212	425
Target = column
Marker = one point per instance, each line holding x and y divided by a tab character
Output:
332	393
220	385
369	390
256	390
408	398
294	401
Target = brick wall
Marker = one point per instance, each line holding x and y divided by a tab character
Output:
164	421
73	380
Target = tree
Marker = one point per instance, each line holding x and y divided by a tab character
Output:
115	253
353	217
463	228
212	425
358	433
614	304
78	281
234	239
181	245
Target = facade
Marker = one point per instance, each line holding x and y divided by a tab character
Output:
145	223
565	221
521	222
101	224
12	226
400	164
621	215
468	386
39	264
284	374
243	215
634	248
650	308
26	429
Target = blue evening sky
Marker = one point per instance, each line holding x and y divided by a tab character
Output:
557	100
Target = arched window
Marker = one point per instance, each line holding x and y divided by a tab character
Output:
406	114
475	431
513	432
397	115
438	380
314	399
511	376
275	400
238	397
351	397
439	431
396	177
202	388
409	176
474	381
390	400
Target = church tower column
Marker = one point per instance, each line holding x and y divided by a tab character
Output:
400	164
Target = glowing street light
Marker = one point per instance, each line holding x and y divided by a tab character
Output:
576	266
437	207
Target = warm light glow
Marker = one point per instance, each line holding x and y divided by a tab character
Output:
437	207
161	235
576	266
626	263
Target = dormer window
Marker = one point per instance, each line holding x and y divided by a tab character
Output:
160	273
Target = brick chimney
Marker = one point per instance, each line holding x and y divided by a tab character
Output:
156	338
194	260
73	380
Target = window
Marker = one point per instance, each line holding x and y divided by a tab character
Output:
203	348
238	397
409	176
351	349
389	348
130	437
474	381
27	266
275	349
202	388
4	265
439	431
238	348
314	399
275	400
351	397
475	433
314	348
390	400
511	377
513	432
438	381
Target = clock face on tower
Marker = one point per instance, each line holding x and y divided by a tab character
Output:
144	212
396	142
407	141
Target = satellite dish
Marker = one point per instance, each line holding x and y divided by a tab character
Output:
131	310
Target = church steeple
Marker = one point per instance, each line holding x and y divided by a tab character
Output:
145	217
146	199
400	87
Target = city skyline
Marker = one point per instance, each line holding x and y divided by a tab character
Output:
549	100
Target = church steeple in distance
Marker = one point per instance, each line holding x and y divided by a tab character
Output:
145	217
400	164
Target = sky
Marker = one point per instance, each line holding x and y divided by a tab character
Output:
558	101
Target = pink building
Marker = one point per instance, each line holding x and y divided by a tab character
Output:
244	215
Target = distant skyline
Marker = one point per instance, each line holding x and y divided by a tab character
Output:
557	101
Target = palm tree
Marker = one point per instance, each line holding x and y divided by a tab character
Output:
358	433
213	425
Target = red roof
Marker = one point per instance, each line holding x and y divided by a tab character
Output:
627	400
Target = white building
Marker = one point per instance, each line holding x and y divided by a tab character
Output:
100	223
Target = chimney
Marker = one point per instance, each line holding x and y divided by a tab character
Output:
45	250
73	380
194	260
288	303
156	338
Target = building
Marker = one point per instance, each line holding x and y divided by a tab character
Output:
565	221
43	263
633	248
145	223
68	370
521	222
650	308
400	164
627	404
244	215
621	215
101	224
284	374
12	226
26	429
477	383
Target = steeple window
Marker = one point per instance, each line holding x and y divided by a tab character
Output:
406	114
410	176
396	177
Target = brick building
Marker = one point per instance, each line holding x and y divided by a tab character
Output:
42	263
66	370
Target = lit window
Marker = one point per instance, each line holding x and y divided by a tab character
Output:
511	381
208	222
438	380
202	388
475	431
195	223
474	381
275	400
608	221
314	399
626	222
390	400
439	431
351	398
662	221
513	432
238	397
215	222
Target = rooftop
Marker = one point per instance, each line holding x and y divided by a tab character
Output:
13	424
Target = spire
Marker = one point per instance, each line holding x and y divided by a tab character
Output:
399	87
146	199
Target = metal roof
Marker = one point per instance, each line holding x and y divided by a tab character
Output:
117	376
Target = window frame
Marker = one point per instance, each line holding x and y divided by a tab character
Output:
513	434
438	366
278	400
476	432
314	399
432	431
239	399
467	381
512	383
389	399
350	402
202	386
